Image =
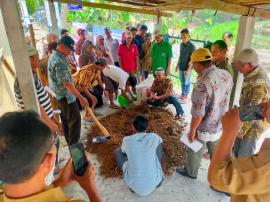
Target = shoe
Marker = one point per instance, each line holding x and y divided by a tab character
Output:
183	171
225	193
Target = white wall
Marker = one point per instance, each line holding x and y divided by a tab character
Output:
7	99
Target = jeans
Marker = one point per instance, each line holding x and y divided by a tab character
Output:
185	82
193	159
171	100
121	157
71	120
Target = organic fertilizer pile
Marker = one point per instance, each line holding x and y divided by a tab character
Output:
118	125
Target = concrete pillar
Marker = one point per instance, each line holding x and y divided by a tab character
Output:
244	39
14	32
53	17
158	22
64	10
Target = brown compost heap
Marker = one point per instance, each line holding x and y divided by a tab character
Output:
118	125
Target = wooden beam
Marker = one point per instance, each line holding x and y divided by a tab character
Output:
142	4
115	7
221	6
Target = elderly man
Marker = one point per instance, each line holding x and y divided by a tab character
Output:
61	82
246	178
28	175
210	100
162	90
255	90
161	54
112	45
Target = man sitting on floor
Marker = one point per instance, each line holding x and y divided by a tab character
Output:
27	155
162	90
140	158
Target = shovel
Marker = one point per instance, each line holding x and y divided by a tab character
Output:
98	139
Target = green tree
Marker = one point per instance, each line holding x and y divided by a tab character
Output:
32	6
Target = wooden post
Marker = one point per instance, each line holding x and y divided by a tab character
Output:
244	39
53	17
14	32
158	24
32	35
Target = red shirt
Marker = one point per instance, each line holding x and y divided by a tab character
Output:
128	57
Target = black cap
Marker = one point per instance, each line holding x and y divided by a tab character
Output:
63	31
101	61
67	41
133	29
144	27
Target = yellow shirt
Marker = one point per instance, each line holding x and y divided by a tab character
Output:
49	195
247	178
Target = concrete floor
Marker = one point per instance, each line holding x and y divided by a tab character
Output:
174	188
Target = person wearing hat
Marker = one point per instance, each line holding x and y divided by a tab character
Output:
127	28
255	90
161	54
162	91
46	110
64	32
146	57
129	57
78	45
210	100
61	82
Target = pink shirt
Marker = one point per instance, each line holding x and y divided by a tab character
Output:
128	57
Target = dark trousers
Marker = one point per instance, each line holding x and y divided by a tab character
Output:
97	92
121	157
88	99
171	100
71	120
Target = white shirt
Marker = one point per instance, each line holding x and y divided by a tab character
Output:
112	45
116	74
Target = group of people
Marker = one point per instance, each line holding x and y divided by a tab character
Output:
79	72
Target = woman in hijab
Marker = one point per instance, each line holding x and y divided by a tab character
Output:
88	55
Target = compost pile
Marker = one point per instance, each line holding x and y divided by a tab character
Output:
118	125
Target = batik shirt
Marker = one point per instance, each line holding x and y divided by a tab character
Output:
59	74
210	99
255	90
162	87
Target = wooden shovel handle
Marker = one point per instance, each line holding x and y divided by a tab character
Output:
101	127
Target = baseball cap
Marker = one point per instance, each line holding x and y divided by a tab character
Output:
157	33
101	61
249	55
67	41
201	55
128	34
63	31
31	50
148	34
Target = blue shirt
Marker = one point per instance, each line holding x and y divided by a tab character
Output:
58	74
142	171
140	42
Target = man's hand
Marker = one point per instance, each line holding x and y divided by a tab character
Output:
187	73
84	102
266	110
66	175
231	123
153	96
192	136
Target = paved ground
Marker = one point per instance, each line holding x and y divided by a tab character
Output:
174	188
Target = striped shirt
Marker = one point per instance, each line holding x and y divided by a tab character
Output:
42	95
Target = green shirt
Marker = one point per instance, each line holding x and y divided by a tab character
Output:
226	66
161	53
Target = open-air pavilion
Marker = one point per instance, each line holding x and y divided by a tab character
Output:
13	40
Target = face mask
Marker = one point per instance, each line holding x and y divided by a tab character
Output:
49	178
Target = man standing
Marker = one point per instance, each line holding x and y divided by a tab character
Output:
146	60
112	45
184	65
161	54
78	45
140	38
228	37
210	100
60	80
162	90
255	90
